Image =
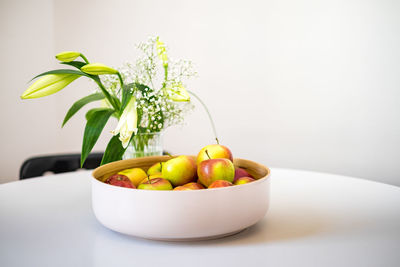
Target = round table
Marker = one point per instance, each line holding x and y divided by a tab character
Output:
315	219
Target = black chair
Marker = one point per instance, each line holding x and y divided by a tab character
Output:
37	166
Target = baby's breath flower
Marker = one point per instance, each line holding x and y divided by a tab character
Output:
157	110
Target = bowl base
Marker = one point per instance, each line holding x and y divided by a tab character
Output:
193	238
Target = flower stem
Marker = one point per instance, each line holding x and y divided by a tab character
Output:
108	96
84	58
120	79
208	113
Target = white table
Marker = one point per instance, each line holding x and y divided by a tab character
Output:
315	220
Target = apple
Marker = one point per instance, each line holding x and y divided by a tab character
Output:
189	186
243	180
151	177
120	180
179	170
193	186
211	170
155	168
136	175
239	172
215	151
156	184
182	188
220	183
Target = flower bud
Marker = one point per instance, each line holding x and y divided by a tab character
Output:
178	93
98	69
48	84
162	52
67	56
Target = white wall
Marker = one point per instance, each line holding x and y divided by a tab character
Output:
298	84
26	48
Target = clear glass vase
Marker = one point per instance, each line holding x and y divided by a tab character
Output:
144	145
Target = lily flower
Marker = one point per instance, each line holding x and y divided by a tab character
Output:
67	56
48	84
98	69
178	93
127	124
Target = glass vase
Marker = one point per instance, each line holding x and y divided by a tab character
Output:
144	145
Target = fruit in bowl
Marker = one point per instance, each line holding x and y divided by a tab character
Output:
156	184
220	183
120	180
179	173
135	175
243	180
179	170
240	172
211	170
215	151
163	213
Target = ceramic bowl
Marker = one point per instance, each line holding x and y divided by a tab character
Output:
179	215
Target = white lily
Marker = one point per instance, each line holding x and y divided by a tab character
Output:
127	124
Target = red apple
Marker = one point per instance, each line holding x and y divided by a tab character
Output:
239	172
120	180
215	169
220	183
243	180
182	188
215	151
156	184
193	186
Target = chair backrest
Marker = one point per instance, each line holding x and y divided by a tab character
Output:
37	166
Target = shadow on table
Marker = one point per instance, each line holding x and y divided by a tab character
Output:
276	227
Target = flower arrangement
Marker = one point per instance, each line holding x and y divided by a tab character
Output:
146	96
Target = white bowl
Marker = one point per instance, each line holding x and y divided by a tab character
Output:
179	215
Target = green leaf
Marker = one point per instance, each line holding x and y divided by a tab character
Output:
143	88
127	93
80	103
114	150
62	71
76	64
94	126
93	110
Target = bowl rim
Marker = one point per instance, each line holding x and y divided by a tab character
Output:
257	181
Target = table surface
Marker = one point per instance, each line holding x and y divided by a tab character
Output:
315	219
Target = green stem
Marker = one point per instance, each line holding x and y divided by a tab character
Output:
208	113
84	58
120	79
165	75
107	95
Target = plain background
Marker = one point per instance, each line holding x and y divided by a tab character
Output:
297	84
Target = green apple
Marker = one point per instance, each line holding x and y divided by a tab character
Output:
156	184
155	169
211	170
215	151
179	170
220	183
